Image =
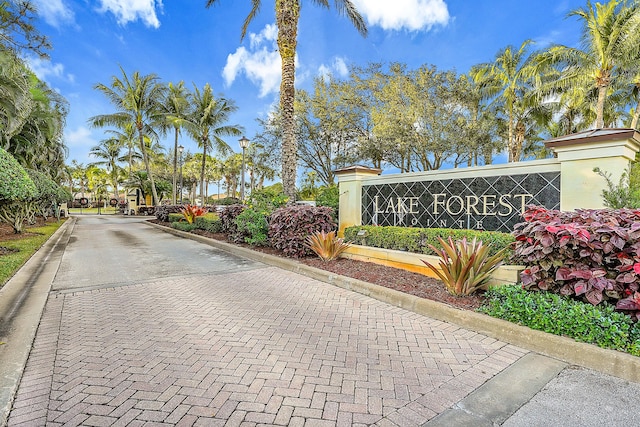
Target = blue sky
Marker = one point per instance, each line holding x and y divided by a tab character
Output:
181	40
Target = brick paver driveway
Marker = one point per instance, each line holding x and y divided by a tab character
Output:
143	328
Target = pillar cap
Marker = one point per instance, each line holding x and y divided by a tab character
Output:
593	135
358	169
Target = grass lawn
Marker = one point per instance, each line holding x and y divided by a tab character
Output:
15	251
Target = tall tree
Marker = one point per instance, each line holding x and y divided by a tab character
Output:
136	99
610	46
17	32
32	118
176	108
287	16
127	139
107	154
207	124
508	80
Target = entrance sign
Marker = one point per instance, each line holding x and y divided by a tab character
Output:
491	197
482	203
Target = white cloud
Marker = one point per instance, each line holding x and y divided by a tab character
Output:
45	69
130	10
338	68
80	137
260	63
412	15
54	12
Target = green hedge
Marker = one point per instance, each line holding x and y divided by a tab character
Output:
417	239
209	223
183	226
600	325
176	217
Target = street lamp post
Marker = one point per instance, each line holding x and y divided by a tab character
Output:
180	150
244	143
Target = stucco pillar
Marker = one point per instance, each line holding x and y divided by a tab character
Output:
611	150
350	189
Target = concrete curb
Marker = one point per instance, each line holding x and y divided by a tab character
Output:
22	301
610	362
499	398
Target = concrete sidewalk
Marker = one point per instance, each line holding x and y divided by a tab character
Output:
259	345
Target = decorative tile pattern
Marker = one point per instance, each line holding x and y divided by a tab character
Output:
484	203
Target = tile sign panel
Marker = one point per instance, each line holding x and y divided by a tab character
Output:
481	203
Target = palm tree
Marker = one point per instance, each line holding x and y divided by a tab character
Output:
15	98
207	125
287	15
126	137
176	108
108	153
136	99
507	80
610	45
32	118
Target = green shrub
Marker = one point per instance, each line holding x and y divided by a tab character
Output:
624	194
268	199
15	183
183	226
329	196
418	239
209	222
227	201
600	325
175	217
252	228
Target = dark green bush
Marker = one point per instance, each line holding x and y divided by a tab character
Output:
417	239
175	217
183	226
252	228
212	225
15	184
227	201
600	325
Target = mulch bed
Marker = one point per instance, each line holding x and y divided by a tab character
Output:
394	278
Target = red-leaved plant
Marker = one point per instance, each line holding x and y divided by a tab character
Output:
289	227
191	212
593	254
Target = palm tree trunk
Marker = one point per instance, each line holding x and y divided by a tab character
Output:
602	94
636	116
511	142
175	168
147	166
287	15
204	161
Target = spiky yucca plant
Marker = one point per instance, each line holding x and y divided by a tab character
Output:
464	267
326	245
